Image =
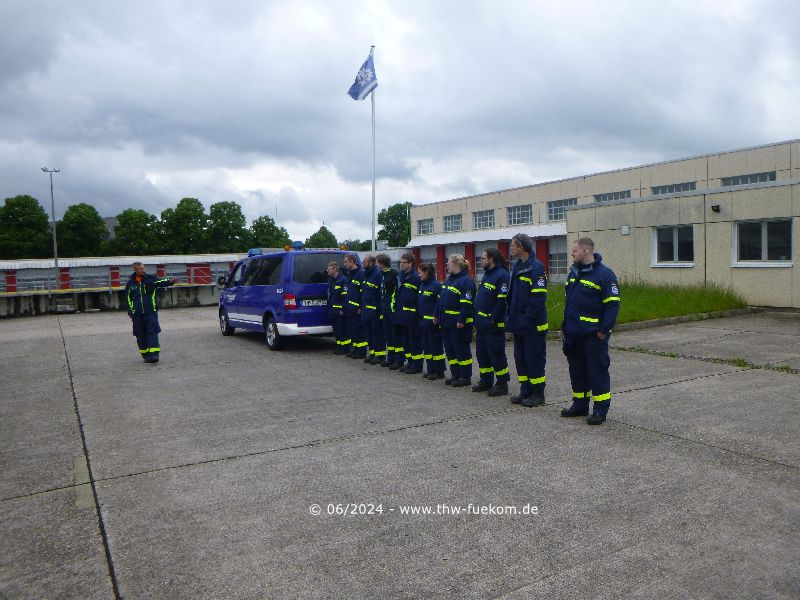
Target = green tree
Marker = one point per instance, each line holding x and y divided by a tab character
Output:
227	228
136	232
265	233
24	229
323	238
396	225
81	232
183	228
364	246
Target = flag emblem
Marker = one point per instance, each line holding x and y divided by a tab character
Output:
366	81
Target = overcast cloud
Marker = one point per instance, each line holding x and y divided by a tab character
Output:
141	104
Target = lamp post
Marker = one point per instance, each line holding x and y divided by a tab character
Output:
53	215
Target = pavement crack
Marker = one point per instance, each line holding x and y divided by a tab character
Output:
100	523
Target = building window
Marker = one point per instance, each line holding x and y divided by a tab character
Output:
764	241
520	215
424	226
452	223
483	219
556	210
612	196
675	244
745	179
557	258
674	188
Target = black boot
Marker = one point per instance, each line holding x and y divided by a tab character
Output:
481	386
596	419
499	389
574	411
460	383
534	399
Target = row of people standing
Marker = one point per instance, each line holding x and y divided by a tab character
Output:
406	320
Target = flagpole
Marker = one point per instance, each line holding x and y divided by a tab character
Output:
372	95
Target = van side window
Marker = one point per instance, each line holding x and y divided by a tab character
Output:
269	272
251	271
234	277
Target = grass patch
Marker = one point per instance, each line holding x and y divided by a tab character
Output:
646	301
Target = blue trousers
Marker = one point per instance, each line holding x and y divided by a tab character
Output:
146	330
530	357
457	346
376	347
355	329
589	360
490	349
388	338
340	333
432	348
410	351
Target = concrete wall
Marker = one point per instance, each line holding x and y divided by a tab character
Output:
39	304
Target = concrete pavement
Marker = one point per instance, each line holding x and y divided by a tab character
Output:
206	467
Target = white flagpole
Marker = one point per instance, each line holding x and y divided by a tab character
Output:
374	247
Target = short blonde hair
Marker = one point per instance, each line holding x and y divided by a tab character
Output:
459	260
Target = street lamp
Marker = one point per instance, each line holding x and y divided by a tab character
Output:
53	214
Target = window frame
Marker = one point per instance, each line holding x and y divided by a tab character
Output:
770	176
763	263
447	229
680	264
514	223
623	195
690	186
478	214
426	221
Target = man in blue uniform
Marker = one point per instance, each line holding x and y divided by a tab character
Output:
337	297
405	317
590	312
456	307
388	289
140	293
371	311
352	309
527	320
430	331
490	315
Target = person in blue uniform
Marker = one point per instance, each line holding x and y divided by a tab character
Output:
490	316
405	315
352	308
590	313
455	315
527	320
389	278
371	316
337	297
430	332
140	294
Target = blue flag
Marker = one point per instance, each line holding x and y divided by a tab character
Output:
365	82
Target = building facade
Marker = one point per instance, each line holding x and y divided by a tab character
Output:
730	218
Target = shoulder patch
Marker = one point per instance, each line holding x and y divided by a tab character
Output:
468	295
614	289
541	282
504	288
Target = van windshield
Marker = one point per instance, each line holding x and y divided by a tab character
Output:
311	268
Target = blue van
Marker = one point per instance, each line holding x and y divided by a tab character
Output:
280	294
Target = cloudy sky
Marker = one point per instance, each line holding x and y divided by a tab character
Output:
143	103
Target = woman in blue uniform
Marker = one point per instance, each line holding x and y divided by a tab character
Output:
430	332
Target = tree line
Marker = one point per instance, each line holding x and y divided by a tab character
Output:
26	232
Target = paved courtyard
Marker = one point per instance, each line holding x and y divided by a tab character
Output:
199	477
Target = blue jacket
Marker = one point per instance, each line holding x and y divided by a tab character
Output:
337	295
456	304
141	295
428	300
353	289
405	302
388	289
371	294
593	299
527	298
490	301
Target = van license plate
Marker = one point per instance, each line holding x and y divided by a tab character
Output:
320	302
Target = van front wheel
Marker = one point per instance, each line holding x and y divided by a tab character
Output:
271	335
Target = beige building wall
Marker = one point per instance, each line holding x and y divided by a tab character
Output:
624	235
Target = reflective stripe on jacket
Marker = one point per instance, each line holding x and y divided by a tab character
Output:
593	298
490	301
456	304
405	303
371	294
427	301
527	298
141	295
